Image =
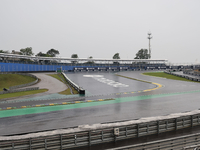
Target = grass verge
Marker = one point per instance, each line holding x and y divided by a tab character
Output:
67	91
167	76
18	94
8	80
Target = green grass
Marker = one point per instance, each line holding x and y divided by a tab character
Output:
8	80
67	91
18	94
167	76
55	76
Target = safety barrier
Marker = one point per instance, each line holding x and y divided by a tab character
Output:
188	142
22	85
75	86
19	90
102	133
25	85
183	76
21	66
191	72
13	89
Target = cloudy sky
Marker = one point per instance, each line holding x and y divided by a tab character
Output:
101	28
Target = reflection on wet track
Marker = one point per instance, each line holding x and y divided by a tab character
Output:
98	83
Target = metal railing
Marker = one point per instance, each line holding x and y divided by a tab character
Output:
13	89
88	137
75	86
188	142
184	76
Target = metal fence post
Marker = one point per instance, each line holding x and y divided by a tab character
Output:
126	131
13	146
29	143
102	135
191	121
114	135
61	141
89	138
75	139
138	130
166	125
175	124
158	127
45	141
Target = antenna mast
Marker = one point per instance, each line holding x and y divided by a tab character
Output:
149	37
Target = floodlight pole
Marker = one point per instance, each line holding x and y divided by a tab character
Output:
149	37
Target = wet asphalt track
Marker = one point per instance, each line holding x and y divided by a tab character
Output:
151	106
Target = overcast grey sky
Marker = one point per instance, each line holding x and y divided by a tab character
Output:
101	28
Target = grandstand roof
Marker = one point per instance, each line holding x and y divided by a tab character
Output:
36	58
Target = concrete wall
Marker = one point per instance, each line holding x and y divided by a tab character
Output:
19	90
13	89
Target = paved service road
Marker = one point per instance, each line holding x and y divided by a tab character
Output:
173	97
46	82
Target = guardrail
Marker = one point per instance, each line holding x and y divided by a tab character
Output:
75	86
191	72
19	90
183	76
188	142
13	89
101	133
25	85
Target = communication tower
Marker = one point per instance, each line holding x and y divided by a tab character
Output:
149	37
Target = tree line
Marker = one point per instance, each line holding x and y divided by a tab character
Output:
141	54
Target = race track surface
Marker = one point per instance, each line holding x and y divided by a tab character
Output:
131	102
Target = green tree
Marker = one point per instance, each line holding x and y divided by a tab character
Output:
74	56
2	51
27	51
40	54
116	56
142	54
90	61
53	52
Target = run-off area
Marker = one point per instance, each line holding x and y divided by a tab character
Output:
107	83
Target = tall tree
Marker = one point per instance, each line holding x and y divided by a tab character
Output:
142	54
74	56
52	52
116	56
90	61
27	51
42	54
2	51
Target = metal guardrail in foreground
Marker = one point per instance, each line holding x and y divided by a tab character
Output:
188	142
88	137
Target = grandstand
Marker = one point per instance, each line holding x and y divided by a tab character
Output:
23	63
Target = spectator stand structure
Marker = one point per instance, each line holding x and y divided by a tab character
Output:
23	63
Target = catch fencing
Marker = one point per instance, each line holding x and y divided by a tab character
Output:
78	137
